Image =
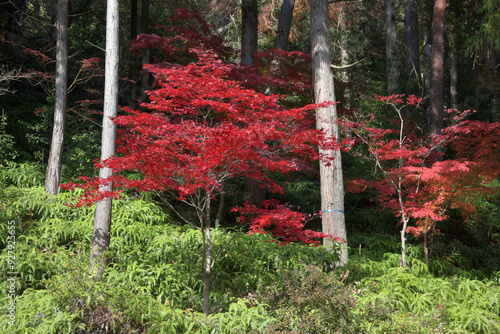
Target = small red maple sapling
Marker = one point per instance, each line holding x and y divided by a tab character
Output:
414	185
203	129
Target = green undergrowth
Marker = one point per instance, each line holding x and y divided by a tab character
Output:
153	283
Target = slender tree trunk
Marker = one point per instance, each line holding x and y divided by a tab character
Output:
54	167
332	184
221	206
207	268
249	31
133	19
133	67
426	247
102	221
284	24
145	53
411	43
427	46
405	220
436	97
453	70
344	55
391	46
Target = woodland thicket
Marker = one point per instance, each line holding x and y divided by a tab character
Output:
215	187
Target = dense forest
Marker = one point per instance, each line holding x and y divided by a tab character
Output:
250	166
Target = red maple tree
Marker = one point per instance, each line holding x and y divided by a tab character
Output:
423	177
202	129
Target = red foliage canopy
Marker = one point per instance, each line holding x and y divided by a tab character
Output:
416	185
204	129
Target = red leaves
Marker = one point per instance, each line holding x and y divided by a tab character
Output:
411	100
416	185
203	129
286	225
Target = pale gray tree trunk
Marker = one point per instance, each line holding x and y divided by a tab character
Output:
391	46
411	44
284	24
332	184
102	221
436	95
54	167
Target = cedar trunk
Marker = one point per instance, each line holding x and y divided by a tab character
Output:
102	221
344	55
411	44
332	185
284	24
453	70
146	53
54	167
249	31
436	98
390	45
255	194
133	68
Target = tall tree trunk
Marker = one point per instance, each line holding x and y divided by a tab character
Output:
344	55
254	192
133	19
411	43
249	28
436	98
284	24
453	70
145	53
427	47
133	68
102	221
390	45
332	184
54	167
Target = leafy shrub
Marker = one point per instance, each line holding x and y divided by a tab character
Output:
72	302
21	175
310	301
458	305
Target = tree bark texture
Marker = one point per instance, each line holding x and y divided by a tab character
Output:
255	194
411	44
436	98
391	46
54	167
249	31
332	184
102	221
133	68
284	24
453	70
344	55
